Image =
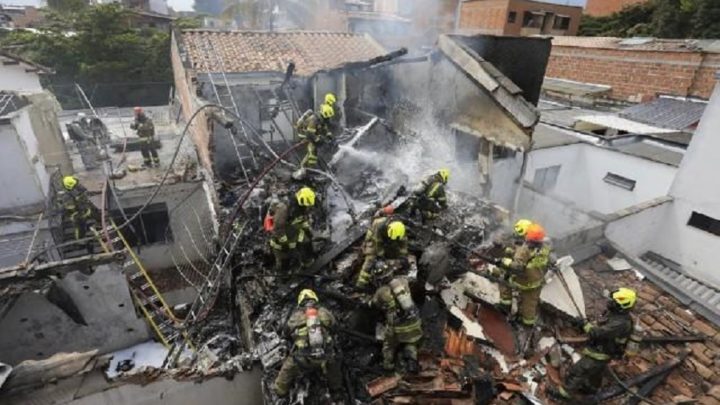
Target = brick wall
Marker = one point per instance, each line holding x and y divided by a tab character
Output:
598	8
637	75
488	16
492	16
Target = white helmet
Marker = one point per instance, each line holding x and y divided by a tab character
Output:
81	115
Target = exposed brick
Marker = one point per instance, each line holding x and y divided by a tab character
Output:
707	400
684	314
704	328
705	372
714	392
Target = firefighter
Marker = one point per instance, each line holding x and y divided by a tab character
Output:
314	128
609	339
403	327
334	124
310	326
505	247
527	270
146	131
76	207
429	196
291	229
385	249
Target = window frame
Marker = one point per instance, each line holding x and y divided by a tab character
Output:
542	172
512	17
620	181
704	223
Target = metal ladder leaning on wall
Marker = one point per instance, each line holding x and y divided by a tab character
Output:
208	293
212	55
147	297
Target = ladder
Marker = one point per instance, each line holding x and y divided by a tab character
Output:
219	62
147	297
209	291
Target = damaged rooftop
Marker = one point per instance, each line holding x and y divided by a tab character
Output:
173	292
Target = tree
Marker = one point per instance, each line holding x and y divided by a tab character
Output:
706	21
97	46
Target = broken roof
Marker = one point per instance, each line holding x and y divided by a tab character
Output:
640	44
264	51
667	112
8	58
506	93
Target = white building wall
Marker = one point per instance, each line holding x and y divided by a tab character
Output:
583	168
695	189
18	178
15	78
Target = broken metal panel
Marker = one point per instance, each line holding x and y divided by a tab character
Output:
555	294
522	112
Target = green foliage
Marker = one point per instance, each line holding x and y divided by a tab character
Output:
96	44
659	18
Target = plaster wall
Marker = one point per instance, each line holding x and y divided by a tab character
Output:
18	174
583	168
16	78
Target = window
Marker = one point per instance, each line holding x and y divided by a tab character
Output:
502	153
467	147
150	227
704	223
546	178
620	181
562	22
512	16
533	19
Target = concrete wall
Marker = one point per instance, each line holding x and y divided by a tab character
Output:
599	8
34	328
45	125
634	233
637	75
583	167
695	189
186	228
17	78
22	171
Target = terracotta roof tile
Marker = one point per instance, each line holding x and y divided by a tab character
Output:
257	51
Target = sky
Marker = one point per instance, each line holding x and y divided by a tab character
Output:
186	5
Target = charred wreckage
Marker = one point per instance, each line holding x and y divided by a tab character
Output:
397	117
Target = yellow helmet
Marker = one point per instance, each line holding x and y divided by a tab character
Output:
305	197
330	99
307	294
69	182
326	111
396	230
444	175
624	297
521	227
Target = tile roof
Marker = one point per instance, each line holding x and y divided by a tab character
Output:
639	44
667	112
257	51
660	314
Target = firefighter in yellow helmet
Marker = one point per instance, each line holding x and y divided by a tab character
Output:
386	251
76	208
609	338
314	128
403	327
310	327
504	248
290	227
527	269
429	197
